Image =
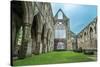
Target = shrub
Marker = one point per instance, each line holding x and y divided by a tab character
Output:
88	52
78	50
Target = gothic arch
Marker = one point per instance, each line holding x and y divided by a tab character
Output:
26	39
81	37
85	35
44	37
62	14
18	14
48	39
95	28
91	32
59	29
34	32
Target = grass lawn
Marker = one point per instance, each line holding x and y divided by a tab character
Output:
53	58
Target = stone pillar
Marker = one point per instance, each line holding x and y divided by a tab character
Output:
29	45
33	44
89	39
45	27
48	41
49	46
38	48
44	45
25	41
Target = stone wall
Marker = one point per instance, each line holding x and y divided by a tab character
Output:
38	27
63	23
36	20
87	38
72	45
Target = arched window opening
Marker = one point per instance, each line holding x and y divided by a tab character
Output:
43	30
81	38
95	29
95	32
61	45
60	31
34	27
60	15
91	32
85	37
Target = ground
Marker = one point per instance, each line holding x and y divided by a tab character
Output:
54	58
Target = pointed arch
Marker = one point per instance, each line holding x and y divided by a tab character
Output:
18	14
59	14
60	31
91	32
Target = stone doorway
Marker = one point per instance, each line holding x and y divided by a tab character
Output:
60	45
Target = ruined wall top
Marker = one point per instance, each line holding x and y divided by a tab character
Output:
91	24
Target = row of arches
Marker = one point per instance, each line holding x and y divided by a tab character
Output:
88	36
30	31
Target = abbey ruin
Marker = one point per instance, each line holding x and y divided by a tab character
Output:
34	26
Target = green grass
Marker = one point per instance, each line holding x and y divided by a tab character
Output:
53	58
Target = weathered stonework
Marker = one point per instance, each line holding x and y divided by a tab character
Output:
36	20
38	27
72	45
70	39
64	22
87	38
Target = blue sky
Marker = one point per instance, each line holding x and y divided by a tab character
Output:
80	15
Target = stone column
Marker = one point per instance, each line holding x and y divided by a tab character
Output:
89	39
49	45
44	45
48	41
29	45
38	48
33	44
25	41
45	27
